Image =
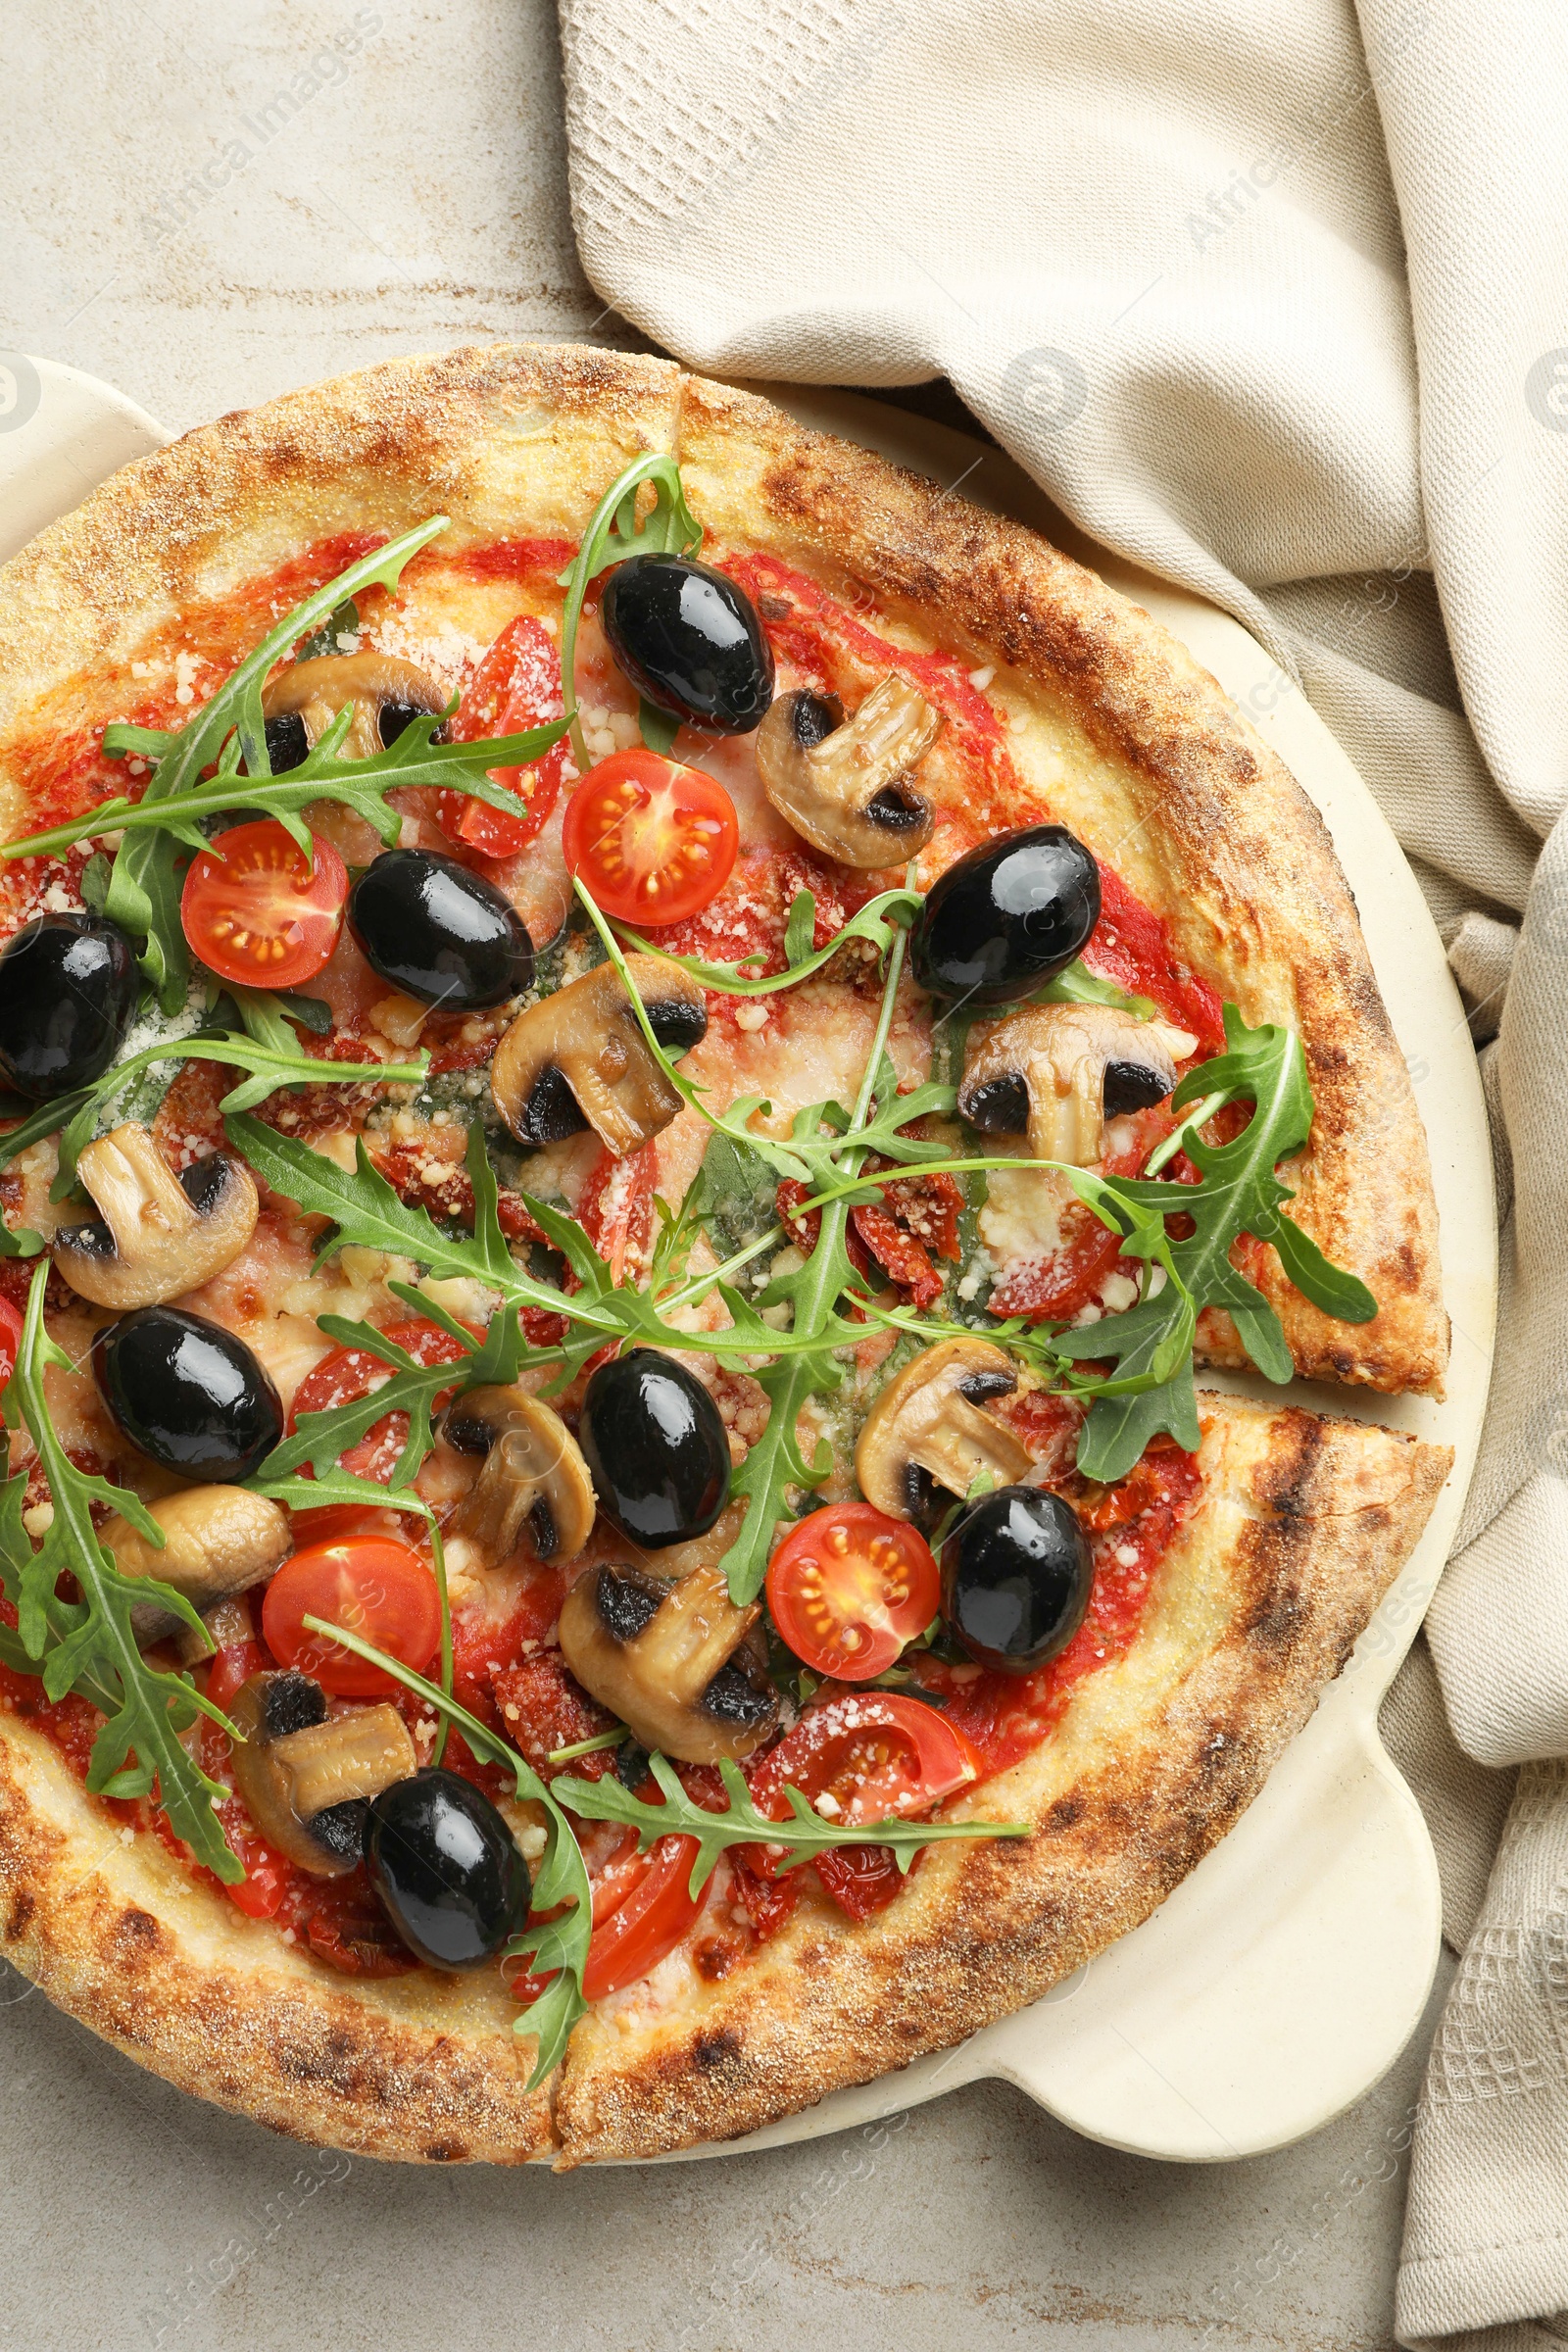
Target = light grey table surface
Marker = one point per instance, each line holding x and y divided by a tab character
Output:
206	205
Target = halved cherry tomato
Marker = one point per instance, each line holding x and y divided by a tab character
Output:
335	1521
874	1753
848	1586
515	687
642	1908
257	911
10	1339
371	1586
654	841
347	1374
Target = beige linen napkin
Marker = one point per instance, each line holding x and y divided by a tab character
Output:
1187	261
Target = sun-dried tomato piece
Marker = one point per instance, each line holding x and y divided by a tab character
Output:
543	1707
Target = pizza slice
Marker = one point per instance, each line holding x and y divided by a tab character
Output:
636	1096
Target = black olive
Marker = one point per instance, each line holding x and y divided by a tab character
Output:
1008	918
1017	1576
1132	1086
68	989
447	1869
439	932
287	743
187	1393
655	1448
690	641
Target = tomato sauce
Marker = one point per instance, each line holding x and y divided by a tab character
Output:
515	559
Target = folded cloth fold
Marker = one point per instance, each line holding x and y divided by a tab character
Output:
1189	263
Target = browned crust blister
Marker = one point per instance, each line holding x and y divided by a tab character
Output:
1302	1523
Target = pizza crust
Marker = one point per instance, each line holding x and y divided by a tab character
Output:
1303	1522
1301	1526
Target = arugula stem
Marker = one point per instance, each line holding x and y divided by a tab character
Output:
698	1288
440	1561
937	1167
559	1946
1179	1137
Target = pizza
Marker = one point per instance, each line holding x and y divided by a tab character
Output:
642	1055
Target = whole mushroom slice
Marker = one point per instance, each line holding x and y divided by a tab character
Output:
927	1430
305	1777
669	1659
385	694
580	1058
1057	1072
845	784
533	1477
159	1234
218	1541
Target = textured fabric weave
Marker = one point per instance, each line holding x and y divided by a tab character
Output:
1191	261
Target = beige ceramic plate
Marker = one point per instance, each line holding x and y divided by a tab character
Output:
1284	1975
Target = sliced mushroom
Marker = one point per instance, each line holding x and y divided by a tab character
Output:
580	1058
926	1430
306	1779
534	1474
845	784
1057	1072
385	694
669	1659
346	1759
159	1234
218	1541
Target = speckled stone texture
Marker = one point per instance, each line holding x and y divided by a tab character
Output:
208	205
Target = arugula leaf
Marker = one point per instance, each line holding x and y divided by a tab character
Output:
88	1645
560	1876
669	529
76	1117
803	1836
659	728
363	1208
361	785
1078	985
878	920
800	931
342	621
320	1439
1240	1193
143	893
